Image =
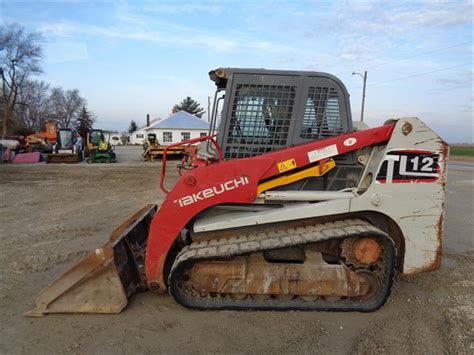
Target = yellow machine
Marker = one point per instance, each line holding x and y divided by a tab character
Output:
153	150
98	149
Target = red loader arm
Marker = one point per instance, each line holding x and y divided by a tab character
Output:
234	181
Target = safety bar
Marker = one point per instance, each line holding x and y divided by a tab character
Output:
213	123
188	142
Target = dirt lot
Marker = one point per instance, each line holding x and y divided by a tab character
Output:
51	215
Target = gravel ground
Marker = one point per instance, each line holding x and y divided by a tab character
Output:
52	215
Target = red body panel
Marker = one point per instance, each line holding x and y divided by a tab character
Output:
234	181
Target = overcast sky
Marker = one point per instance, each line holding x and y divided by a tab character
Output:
132	58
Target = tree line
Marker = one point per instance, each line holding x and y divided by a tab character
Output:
26	104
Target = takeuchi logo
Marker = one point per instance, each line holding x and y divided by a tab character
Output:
212	191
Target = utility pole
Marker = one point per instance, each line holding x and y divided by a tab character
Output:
363	93
208	109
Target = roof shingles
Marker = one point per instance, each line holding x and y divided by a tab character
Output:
180	120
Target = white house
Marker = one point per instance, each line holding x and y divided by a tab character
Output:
180	126
138	136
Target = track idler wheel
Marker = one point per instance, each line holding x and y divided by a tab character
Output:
361	252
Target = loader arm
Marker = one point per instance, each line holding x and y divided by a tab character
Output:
236	181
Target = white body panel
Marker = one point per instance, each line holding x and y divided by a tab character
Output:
416	207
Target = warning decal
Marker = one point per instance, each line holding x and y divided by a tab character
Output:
286	165
326	152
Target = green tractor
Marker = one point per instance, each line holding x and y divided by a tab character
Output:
99	150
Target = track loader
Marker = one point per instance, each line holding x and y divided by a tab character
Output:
151	148
64	150
292	207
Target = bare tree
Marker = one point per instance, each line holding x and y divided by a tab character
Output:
20	55
66	106
33	107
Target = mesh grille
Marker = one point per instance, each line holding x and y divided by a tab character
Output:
322	114
260	119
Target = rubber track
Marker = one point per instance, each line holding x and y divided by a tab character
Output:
255	242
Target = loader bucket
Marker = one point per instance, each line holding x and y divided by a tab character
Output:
102	281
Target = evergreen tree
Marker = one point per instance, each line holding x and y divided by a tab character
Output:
133	127
84	122
191	106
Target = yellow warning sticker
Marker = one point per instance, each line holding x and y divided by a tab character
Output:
286	165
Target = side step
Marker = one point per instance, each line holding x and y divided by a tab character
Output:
102	281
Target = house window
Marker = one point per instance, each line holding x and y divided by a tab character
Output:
185	136
203	134
167	137
139	135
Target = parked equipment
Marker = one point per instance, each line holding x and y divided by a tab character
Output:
99	150
294	209
64	151
43	141
154	150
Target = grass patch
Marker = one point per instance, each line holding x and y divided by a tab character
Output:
462	150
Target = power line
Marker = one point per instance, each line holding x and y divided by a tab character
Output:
420	54
415	55
416	75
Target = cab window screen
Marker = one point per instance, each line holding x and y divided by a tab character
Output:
67	139
260	119
322	115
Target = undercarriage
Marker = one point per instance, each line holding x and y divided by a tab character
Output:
346	265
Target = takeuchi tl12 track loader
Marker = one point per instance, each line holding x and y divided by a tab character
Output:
292	207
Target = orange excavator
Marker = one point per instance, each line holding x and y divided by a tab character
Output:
43	140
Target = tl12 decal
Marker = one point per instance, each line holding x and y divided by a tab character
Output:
401	166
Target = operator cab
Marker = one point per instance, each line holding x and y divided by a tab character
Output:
152	138
96	136
65	141
267	110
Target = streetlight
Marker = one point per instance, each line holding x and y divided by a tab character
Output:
363	93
